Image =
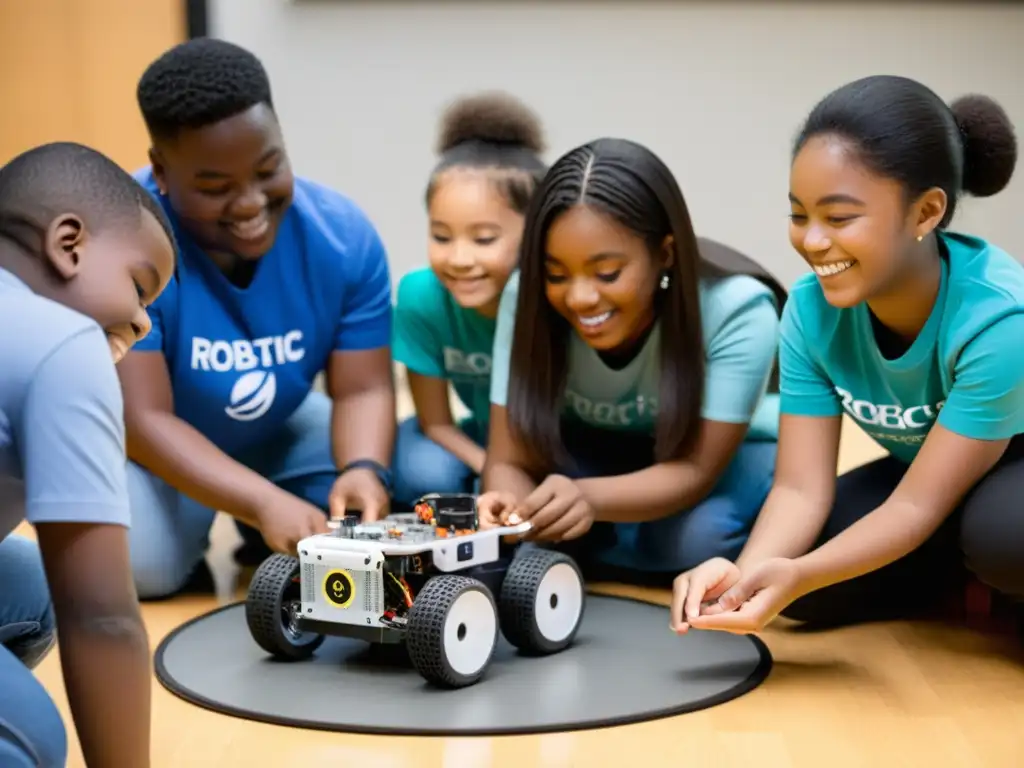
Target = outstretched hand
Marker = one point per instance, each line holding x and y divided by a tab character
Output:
698	587
753	601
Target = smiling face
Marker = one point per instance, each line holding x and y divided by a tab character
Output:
854	228
229	183
601	277
474	239
110	273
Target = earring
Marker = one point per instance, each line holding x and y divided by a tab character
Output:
664	280
920	238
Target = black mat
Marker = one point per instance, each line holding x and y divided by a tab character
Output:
625	666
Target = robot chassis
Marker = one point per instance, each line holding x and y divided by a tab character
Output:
412	579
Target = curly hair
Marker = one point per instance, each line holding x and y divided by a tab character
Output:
198	83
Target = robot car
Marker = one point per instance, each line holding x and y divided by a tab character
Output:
411	579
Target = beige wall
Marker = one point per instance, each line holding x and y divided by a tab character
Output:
68	70
717	87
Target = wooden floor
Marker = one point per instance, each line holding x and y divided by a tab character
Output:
900	694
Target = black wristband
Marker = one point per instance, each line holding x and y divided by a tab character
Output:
383	473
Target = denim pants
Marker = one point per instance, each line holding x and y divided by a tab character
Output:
421	466
717	526
32	734
170	532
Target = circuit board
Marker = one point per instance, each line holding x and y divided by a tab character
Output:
402	533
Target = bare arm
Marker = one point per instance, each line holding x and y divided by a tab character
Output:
433	411
665	488
361	385
946	467
506	466
801	497
177	452
104	649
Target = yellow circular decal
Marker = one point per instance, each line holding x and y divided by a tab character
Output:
339	589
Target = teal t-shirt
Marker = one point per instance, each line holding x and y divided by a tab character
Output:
741	324
964	370
434	336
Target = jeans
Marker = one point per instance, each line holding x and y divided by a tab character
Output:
717	526
32	734
421	466
170	532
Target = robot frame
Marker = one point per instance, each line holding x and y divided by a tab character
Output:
412	578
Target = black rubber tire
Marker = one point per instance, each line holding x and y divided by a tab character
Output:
424	634
517	610
269	589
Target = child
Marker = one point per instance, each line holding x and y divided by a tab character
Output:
445	314
630	366
281	279
83	250
913	331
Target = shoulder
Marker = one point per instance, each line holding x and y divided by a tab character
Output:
724	300
420	286
335	229
807	310
986	289
510	293
420	297
53	326
335	216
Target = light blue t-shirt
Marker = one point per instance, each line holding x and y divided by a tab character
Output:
435	336
62	454
740	324
964	370
241	360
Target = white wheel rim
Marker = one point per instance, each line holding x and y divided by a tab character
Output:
559	602
469	632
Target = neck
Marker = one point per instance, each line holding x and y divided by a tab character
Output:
22	266
904	309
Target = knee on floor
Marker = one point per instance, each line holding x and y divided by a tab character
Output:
429	469
689	545
993	559
159	577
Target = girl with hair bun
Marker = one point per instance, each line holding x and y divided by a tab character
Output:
445	314
914	332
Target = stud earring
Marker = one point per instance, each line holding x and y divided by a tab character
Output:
664	280
920	238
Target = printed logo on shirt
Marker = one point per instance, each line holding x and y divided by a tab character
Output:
894	423
458	363
639	410
253	393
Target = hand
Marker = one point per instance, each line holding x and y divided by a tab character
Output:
557	509
494	508
705	583
286	519
359	489
751	603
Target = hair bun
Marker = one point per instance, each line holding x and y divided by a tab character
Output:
492	117
990	144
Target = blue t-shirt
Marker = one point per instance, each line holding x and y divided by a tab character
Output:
964	369
740	324
435	336
62	454
241	360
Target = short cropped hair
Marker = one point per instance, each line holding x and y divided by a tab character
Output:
65	177
198	83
